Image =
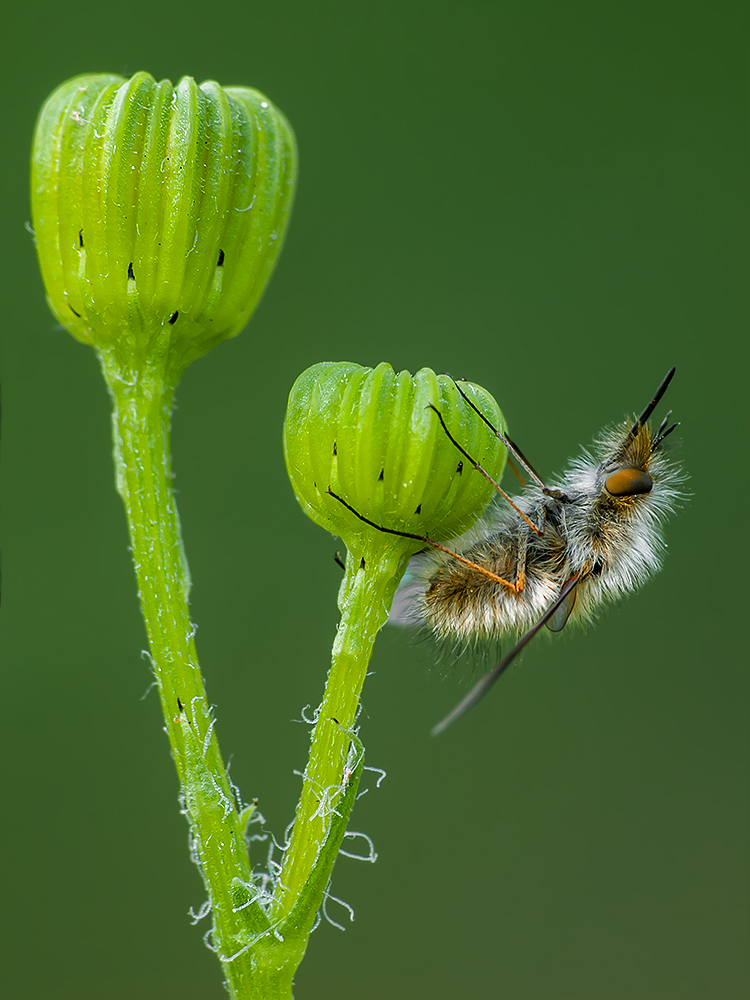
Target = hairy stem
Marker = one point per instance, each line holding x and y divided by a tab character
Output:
364	600
141	422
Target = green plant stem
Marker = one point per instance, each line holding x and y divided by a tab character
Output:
259	957
364	600
254	965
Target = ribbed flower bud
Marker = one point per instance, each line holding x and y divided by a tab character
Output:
158	211
371	437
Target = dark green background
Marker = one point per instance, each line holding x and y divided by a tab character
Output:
548	198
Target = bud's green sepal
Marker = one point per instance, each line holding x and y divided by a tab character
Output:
158	211
372	438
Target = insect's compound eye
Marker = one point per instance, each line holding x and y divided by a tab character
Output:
628	483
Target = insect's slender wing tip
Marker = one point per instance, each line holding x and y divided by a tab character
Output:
455	713
469	701
442	725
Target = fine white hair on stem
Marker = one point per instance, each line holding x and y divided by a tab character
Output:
152	685
372	854
379	771
202	913
324	908
308	721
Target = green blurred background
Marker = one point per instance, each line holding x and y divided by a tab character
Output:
548	198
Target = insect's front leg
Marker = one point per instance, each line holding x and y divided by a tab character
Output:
523	546
542	523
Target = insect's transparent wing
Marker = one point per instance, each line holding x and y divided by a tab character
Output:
557	622
405	610
407	605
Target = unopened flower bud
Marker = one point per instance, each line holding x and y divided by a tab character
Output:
373	438
158	211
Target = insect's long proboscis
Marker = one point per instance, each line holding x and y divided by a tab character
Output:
655	401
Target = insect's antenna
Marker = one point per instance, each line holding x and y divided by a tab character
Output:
653	404
486	475
427	540
482	687
512	448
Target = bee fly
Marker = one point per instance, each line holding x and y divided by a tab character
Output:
552	554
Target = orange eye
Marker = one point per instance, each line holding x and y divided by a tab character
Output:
628	483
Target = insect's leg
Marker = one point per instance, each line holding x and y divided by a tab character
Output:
515	450
523	548
523	545
427	540
512	448
516	473
542	519
479	468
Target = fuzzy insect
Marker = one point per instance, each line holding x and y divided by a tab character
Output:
552	554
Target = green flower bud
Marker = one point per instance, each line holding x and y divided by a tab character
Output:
371	437
158	211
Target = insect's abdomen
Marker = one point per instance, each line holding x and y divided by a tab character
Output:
461	602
